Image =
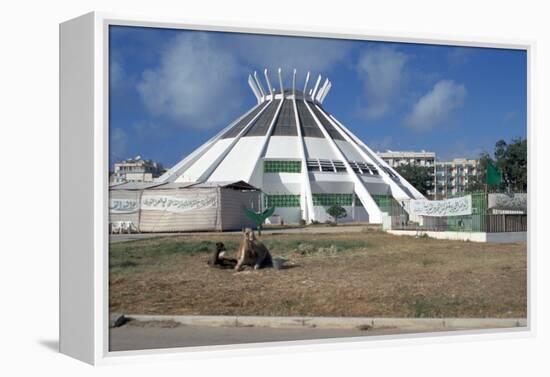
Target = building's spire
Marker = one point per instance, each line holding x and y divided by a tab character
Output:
305	84
294	82
281	83
259	84
326	92
316	87
322	91
268	82
315	94
254	88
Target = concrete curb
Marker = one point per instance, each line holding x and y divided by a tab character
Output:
338	322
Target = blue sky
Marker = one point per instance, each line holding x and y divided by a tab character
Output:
171	90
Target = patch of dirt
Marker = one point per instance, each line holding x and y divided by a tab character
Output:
346	274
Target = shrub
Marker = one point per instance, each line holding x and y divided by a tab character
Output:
337	212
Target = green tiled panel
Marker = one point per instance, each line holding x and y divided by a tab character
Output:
274	166
279	201
327	200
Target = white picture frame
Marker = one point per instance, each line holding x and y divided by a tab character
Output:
84	317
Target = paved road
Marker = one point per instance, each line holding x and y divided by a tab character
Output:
114	238
132	337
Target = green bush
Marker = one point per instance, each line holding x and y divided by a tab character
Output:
337	212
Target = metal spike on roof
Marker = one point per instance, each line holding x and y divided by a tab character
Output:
316	94
305	84
281	82
268	82
258	82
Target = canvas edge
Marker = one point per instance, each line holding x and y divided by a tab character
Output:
76	182
101	354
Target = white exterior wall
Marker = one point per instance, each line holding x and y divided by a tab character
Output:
289	215
502	237
256	178
360	214
282	183
204	162
353	214
239	162
332	187
349	151
320	176
283	147
376	186
139	177
319	148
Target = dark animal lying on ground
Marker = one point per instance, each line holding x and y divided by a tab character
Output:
218	260
253	252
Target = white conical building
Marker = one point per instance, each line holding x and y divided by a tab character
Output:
300	155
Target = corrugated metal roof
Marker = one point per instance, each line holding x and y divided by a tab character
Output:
333	132
236	185
134	185
262	123
307	123
234	131
286	121
174	185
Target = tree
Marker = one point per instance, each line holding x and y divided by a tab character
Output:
419	176
477	182
511	161
337	212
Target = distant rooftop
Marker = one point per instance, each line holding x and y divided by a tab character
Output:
390	153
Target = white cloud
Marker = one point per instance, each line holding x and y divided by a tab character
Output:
316	55
460	149
118	144
382	71
146	130
459	55
436	105
195	84
116	74
383	144
199	81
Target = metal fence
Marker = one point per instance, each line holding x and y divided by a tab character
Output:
389	205
506	223
481	220
471	223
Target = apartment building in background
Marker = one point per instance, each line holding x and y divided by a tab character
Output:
399	158
454	176
135	170
449	177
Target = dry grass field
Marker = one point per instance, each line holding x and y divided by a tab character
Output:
347	274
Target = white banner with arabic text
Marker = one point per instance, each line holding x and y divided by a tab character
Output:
178	205
123	205
439	208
